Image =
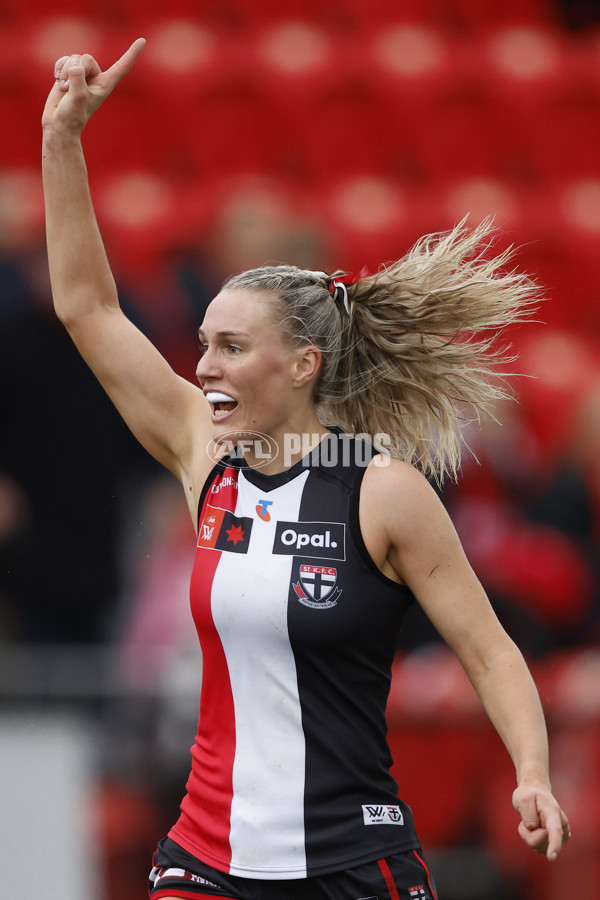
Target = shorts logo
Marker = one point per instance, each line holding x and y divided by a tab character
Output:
382	815
314	540
316	587
170	875
262	510
417	893
221	530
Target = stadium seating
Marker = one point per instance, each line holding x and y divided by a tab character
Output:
487	110
389	118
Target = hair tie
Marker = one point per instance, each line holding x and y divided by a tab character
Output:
338	286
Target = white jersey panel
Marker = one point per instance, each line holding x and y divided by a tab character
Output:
269	763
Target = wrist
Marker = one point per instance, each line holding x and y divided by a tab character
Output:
533	773
61	135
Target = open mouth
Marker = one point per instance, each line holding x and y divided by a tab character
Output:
222	404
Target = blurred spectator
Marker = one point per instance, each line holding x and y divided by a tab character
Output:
156	622
569	501
15	575
64	451
578	15
513	516
258	221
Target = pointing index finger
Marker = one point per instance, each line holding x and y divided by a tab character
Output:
122	66
558	835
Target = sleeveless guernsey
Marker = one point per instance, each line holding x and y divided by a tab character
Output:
290	768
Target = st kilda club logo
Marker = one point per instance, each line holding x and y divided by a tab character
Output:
316	586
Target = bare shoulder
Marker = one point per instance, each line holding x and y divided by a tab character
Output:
413	534
397	491
397	506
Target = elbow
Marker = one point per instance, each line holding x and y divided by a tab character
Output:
75	307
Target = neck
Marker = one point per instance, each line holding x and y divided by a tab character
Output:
289	444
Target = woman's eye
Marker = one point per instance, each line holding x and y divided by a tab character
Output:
233	349
202	348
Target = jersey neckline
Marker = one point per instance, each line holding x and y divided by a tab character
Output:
270	482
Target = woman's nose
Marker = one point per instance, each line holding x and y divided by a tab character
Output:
207	365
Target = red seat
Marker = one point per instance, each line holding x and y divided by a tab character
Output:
578	202
384	13
433	715
49	38
482	16
265	12
229	132
125	134
340	133
372	219
411	62
480	198
560	362
457	134
21	140
183	58
563	139
13	37
294	59
522	65
139	213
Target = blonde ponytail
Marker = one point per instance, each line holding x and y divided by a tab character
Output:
417	355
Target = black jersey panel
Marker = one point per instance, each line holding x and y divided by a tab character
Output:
343	625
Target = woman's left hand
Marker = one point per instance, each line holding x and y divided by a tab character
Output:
81	86
544	826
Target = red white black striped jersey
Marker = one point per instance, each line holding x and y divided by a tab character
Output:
290	768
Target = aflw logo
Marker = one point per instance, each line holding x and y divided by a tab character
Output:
382	815
221	530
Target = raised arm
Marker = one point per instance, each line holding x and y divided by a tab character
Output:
166	413
418	543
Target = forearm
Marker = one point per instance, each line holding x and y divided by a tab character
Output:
427	555
79	270
512	703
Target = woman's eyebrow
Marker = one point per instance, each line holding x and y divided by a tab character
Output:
221	334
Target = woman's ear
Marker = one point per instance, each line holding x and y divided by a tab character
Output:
306	365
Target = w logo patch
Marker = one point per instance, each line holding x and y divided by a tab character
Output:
390	814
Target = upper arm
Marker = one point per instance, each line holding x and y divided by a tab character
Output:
167	414
425	552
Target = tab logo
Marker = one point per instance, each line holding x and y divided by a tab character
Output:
315	540
382	815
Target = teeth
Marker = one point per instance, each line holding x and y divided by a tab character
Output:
218	397
221	412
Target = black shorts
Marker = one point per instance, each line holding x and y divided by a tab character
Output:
403	876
